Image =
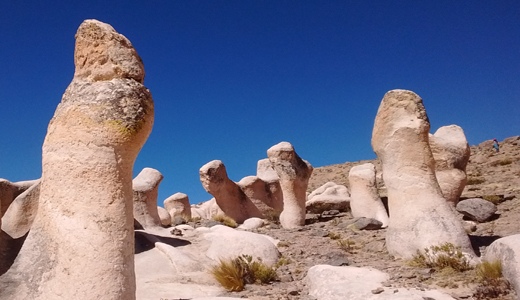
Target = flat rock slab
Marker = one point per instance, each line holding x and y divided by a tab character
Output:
339	283
477	209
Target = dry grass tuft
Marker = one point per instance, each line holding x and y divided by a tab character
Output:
492	284
445	256
235	273
225	220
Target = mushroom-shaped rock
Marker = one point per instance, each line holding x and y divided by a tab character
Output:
364	199
164	216
146	188
82	239
20	215
419	215
330	196
451	152
294	174
178	205
230	198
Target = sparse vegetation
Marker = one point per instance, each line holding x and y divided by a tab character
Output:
334	236
475	180
346	245
492	284
441	257
335	221
283	244
493	199
234	274
225	220
502	162
273	216
283	261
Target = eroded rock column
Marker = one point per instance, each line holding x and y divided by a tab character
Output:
81	243
451	153
419	215
294	174
178	205
364	199
146	187
228	195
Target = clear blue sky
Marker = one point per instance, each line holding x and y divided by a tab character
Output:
232	78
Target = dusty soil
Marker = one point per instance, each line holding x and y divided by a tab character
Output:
318	243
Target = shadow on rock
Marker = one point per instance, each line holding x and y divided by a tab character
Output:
145	241
482	241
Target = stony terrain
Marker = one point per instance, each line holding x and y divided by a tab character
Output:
317	243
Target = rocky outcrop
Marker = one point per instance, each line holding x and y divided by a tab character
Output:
451	153
228	195
330	196
178	205
294	174
146	188
419	215
81	243
364	199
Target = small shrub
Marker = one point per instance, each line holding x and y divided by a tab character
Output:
273	216
441	257
283	244
475	180
283	261
492	284
334	236
346	245
225	220
234	274
493	199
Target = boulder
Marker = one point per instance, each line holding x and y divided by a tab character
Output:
178	205
330	196
81	243
364	198
146	188
338	283
451	152
228	195
294	174
229	243
206	210
420	217
477	209
366	224
507	251
252	223
261	195
164	216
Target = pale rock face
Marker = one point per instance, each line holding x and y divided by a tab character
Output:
252	223
260	194
206	210
20	215
178	205
419	215
294	174
338	283
82	238
364	199
229	243
328	197
265	171
507	251
228	195
146	188
164	216
451	153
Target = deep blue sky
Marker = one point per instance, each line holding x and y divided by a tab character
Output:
232	78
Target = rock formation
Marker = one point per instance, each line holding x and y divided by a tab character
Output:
81	243
261	195
294	174
146	188
164	216
228	195
328	197
506	250
206	210
178	205
364	199
419	215
451	152
265	171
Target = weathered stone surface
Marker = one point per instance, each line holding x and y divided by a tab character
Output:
419	215
178	205
477	209
164	216
146	188
294	174
228	195
261	195
229	243
20	215
451	153
252	223
507	251
81	243
330	196
206	210
364	199
338	283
